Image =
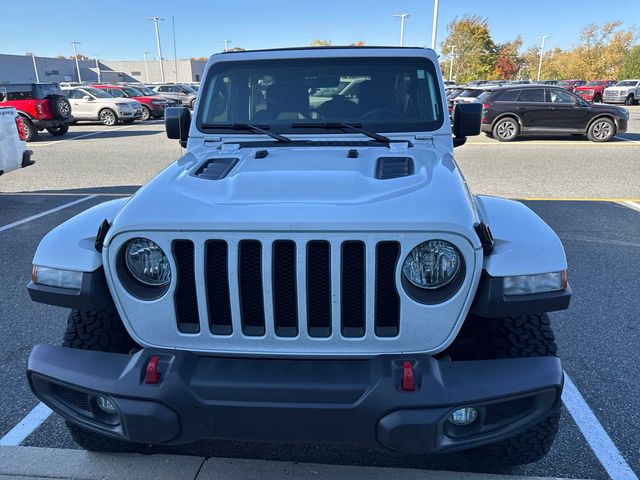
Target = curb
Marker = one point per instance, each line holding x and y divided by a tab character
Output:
21	463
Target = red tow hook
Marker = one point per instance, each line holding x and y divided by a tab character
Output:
153	376
407	377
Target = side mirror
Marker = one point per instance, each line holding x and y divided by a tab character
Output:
176	123
87	97
467	121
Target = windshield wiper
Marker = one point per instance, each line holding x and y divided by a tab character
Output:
249	127
356	127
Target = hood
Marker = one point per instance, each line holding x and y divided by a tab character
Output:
115	100
615	89
305	189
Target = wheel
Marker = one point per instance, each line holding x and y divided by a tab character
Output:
601	130
101	331
517	337
58	130
146	113
630	100
108	117
192	104
506	129
30	130
60	107
597	98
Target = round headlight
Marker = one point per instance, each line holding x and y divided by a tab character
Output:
432	264
147	262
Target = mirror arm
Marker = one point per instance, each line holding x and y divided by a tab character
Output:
459	141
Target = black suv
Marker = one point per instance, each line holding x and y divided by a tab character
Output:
513	110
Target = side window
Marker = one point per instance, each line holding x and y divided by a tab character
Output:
162	89
509	96
3	94
531	95
561	96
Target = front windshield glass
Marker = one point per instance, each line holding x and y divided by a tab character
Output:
186	89
627	83
594	83
97	93
146	91
380	94
133	92
565	83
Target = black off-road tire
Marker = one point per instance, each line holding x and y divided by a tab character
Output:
58	130
60	107
104	332
630	100
597	98
30	130
518	337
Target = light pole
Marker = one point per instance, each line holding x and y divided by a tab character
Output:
543	37
226	45
434	28
146	67
453	49
402	17
75	53
95	55
175	54
155	23
35	67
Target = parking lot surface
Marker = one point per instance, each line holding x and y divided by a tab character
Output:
598	336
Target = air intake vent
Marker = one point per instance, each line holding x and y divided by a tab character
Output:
216	168
394	167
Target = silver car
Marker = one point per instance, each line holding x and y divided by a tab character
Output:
183	93
90	103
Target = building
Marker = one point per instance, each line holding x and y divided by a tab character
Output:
20	69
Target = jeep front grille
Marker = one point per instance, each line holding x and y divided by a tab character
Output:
281	288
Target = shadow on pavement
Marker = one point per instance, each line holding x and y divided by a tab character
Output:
116	190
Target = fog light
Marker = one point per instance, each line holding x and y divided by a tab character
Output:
106	405
463	416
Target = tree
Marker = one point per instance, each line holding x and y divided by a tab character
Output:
474	54
319	42
508	62
631	66
602	50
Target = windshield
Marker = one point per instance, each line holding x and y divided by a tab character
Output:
566	83
380	94
471	93
627	83
484	95
186	89
117	92
97	93
133	92
594	83
146	91
454	93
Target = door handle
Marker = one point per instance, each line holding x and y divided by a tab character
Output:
519	108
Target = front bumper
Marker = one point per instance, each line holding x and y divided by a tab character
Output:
359	401
130	114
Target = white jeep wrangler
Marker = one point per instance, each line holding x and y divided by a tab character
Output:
309	271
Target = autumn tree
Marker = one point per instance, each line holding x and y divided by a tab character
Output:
507	61
319	42
631	66
602	50
469	45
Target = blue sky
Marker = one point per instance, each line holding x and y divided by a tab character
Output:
117	29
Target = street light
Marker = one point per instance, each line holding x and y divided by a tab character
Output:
35	67
453	49
402	17
434	28
226	45
95	56
543	37
146	67
155	23
75	54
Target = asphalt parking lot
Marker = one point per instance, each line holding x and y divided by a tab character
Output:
578	187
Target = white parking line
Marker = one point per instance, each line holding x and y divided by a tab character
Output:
594	433
631	204
42	214
27	425
81	136
627	140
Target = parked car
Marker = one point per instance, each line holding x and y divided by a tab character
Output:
150	92
593	91
339	286
13	149
182	93
469	95
570	84
512	111
90	103
548	82
626	91
152	106
42	106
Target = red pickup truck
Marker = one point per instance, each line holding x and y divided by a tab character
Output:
151	106
593	91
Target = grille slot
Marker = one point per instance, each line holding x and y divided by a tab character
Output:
250	287
387	304
69	396
506	411
285	296
353	285
394	167
217	287
319	288
216	168
186	301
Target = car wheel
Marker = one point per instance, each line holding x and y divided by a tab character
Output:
506	129
30	130
630	100
108	117
58	130
60	107
146	113
602	130
597	99
103	332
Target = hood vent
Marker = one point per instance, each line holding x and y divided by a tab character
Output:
394	167
216	168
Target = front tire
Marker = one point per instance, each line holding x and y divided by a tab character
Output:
58	130
601	130
108	117
146	113
506	129
630	100
597	99
30	130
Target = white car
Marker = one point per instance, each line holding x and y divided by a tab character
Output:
300	276
13	149
626	91
94	104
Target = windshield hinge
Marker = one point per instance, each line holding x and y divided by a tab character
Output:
212	141
399	146
229	147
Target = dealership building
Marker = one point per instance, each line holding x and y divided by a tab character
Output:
22	69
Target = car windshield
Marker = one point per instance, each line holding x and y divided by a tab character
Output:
97	93
565	83
595	83
186	89
627	83
44	90
133	92
484	95
379	94
147	92
471	93
455	93
117	92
